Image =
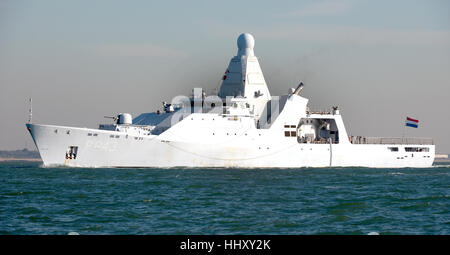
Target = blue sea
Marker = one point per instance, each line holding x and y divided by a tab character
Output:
304	201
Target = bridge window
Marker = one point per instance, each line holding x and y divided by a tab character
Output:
417	149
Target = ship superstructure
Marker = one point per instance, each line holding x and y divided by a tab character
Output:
242	126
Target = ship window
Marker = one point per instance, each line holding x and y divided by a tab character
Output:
117	136
111	136
292	126
287	133
89	134
393	149
293	133
286	126
95	134
417	149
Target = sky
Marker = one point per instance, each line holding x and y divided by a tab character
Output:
379	61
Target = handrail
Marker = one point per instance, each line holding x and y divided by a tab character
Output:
391	140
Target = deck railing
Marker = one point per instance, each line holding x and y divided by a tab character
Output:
391	140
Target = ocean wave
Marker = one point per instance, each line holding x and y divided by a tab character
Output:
396	173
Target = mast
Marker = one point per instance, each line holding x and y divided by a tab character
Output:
244	77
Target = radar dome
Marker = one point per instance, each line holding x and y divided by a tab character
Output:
245	43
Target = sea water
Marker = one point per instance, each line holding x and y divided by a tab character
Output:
39	200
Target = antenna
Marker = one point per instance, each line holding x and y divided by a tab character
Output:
30	114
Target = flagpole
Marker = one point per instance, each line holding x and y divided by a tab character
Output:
403	133
30	111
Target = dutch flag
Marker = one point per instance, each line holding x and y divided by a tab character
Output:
410	122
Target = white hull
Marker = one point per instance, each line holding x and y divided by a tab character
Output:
152	151
242	126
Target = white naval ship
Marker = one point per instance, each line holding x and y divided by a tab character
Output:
243	126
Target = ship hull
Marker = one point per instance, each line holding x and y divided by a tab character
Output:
102	148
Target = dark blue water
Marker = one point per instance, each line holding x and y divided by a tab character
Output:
35	200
